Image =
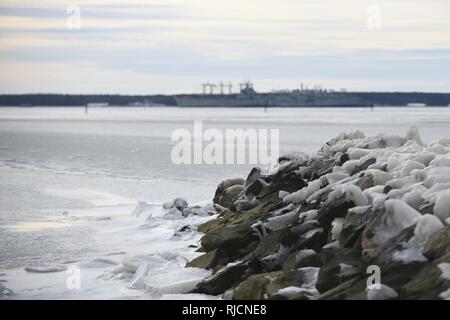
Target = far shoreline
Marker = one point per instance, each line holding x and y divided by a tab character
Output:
378	99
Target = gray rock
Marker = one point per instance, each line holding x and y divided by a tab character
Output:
229	238
364	166
428	284
335	271
254	175
256	188
205	261
228	196
223	280
353	227
438	245
381	292
225	185
180	204
5	292
255	287
294	262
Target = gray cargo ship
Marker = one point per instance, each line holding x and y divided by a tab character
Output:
248	97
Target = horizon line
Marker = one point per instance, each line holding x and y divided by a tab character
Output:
199	93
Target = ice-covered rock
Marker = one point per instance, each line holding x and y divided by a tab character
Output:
346	270
398	217
354	194
445	295
280	222
445	270
442	206
426	226
304	253
5	292
336	228
180	203
414	135
381	292
304	193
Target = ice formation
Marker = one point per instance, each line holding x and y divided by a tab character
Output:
380	292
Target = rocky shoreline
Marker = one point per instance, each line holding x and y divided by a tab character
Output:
364	218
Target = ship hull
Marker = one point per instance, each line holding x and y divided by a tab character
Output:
269	101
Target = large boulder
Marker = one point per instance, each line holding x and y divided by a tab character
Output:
227	191
438	245
228	196
354	224
304	258
205	261
255	287
223	280
341	265
229	239
352	289
273	249
431	282
276	284
254	175
304	279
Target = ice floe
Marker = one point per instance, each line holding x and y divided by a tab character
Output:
148	253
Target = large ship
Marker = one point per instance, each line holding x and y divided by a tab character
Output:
248	97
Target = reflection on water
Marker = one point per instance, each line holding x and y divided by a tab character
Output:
37	226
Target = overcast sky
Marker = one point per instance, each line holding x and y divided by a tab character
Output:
168	46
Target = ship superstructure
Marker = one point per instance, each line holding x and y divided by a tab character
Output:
248	97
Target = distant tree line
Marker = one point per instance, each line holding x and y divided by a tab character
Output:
377	98
54	100
403	98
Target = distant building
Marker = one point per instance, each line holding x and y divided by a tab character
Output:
416	104
97	104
